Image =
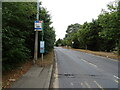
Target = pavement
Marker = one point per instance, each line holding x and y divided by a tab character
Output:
36	77
82	70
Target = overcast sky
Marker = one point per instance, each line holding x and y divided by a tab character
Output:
67	12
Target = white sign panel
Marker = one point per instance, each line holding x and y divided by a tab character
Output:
38	25
42	46
42	43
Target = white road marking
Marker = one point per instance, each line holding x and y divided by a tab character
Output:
98	85
93	64
56	82
82	85
89	63
71	83
116	77
87	84
84	60
116	81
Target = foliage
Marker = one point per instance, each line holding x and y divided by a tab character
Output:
59	42
48	32
72	34
18	32
110	21
102	34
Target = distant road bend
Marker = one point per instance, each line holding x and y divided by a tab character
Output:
81	70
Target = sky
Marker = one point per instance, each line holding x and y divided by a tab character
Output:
66	12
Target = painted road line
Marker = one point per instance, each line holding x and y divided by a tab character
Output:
116	81
116	77
89	63
71	83
98	85
87	84
56	82
84	60
82	85
93	64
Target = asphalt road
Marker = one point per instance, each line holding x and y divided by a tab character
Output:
81	70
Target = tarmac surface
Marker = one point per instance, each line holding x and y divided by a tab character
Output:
36	77
82	70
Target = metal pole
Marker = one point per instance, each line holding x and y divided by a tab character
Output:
42	40
42	56
36	35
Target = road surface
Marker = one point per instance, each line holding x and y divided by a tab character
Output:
81	70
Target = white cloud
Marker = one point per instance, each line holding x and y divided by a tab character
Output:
66	12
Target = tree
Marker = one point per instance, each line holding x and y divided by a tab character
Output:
111	24
48	31
58	42
102	34
16	29
71	35
89	35
18	32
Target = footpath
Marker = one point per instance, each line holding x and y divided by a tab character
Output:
36	77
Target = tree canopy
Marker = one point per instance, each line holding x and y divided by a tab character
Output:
18	32
101	34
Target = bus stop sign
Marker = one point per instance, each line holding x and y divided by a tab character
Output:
38	25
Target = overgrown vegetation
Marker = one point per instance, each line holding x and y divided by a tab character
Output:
102	34
18	32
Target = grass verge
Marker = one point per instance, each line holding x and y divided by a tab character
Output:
104	54
47	60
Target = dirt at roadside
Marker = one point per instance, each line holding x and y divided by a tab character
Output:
10	77
47	60
105	54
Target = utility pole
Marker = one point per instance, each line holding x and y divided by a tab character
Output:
42	40
36	35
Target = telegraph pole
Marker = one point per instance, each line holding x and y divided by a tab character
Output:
42	40
36	35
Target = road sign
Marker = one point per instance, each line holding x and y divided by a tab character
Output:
38	25
42	46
